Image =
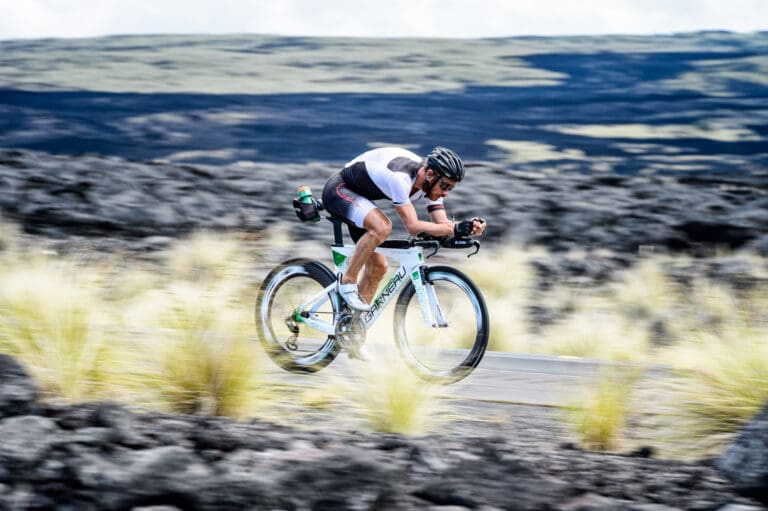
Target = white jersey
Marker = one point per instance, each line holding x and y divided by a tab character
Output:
388	172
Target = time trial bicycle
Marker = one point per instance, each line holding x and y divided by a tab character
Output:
441	323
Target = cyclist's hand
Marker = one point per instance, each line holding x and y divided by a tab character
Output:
466	228
463	229
478	226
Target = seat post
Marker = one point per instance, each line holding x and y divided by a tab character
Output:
338	238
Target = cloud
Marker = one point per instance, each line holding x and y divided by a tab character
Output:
390	18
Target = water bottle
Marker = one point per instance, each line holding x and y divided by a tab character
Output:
305	194
305	206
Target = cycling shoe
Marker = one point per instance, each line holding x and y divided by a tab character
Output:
351	294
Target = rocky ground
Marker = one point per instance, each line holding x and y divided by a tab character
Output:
151	202
104	456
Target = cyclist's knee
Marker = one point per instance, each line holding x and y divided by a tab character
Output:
378	225
383	233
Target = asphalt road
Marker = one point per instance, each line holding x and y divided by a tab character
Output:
502	377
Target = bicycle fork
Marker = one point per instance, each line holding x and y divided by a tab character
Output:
430	305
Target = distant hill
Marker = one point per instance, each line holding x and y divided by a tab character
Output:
691	103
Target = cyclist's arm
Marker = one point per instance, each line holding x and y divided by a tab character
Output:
437	215
414	226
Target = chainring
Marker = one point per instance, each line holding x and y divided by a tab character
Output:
350	333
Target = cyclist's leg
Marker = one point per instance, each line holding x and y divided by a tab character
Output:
377	229
373	271
369	228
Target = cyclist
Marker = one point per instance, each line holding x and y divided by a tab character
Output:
401	176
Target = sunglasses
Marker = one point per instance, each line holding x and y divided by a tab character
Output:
445	186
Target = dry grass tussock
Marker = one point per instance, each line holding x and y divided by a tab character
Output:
599	420
723	380
175	335
52	319
645	290
379	394
389	397
597	334
207	362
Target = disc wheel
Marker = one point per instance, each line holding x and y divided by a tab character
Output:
288	341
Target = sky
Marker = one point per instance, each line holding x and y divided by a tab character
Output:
376	18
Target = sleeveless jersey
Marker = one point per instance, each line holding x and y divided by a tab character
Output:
386	173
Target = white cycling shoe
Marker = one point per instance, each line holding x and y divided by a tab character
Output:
351	294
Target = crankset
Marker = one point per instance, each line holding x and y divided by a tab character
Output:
350	333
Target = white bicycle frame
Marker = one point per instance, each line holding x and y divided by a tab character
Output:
411	265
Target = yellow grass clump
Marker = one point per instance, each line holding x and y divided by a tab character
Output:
9	235
725	378
176	336
204	360
50	318
600	419
389	397
207	257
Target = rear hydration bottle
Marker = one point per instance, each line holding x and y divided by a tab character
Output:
305	205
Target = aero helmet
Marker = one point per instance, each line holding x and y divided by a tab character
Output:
446	163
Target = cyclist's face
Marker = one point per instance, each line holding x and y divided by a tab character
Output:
441	188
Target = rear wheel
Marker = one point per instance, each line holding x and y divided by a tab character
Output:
443	354
288	341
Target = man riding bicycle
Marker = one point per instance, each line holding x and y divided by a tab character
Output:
401	176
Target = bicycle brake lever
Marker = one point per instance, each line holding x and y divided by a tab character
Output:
477	248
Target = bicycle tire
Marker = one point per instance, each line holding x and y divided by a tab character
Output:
423	347
287	286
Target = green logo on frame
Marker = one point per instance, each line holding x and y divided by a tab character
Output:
338	258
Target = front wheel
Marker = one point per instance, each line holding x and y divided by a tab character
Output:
286	338
447	353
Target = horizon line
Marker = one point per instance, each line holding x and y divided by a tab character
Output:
382	37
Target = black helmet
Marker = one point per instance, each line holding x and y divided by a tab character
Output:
446	163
